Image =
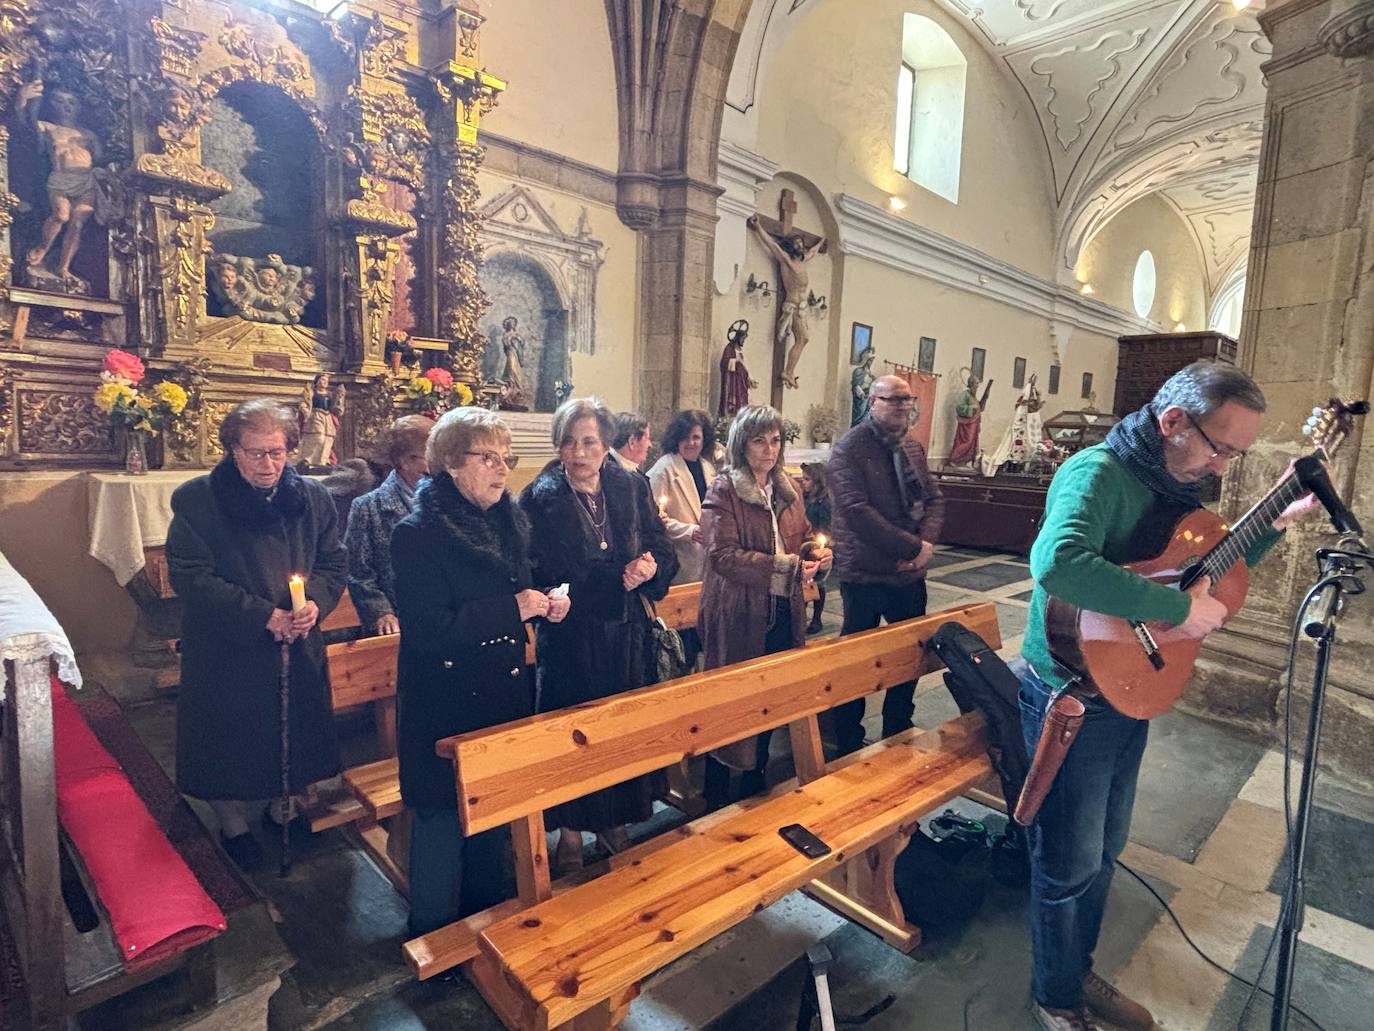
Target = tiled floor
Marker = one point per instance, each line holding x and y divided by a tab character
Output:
1207	835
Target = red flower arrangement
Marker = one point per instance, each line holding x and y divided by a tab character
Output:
441	378
123	366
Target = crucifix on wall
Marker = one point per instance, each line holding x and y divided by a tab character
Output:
791	248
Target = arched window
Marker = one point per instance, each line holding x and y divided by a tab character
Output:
1143	284
929	131
1228	305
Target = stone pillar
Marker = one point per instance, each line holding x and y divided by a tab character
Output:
1308	334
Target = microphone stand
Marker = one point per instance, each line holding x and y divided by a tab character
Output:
1338	566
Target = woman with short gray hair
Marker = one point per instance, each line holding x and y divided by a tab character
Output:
595	528
464	592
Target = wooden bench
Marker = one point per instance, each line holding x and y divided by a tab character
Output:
363	672
577	949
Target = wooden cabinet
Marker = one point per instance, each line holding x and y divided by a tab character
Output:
1002	513
1144	362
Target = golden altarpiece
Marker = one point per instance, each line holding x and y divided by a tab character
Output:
243	194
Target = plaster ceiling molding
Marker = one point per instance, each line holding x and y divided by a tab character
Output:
767	25
1073	84
870	232
1217	68
1215	150
1232	187
1010	24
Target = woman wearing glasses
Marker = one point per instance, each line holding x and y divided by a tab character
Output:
237	537
464	592
595	527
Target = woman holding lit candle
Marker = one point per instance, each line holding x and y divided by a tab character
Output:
679	479
817	499
760	553
254	554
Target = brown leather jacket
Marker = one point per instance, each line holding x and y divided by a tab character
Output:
874	530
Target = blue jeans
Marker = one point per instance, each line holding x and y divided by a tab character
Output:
452	876
1080	830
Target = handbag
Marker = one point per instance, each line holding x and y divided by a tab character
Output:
667	656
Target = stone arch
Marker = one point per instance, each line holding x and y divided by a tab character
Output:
524	286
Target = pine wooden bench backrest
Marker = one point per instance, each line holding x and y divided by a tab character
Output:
512	773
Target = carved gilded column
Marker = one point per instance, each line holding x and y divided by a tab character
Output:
1306	335
466	92
388	141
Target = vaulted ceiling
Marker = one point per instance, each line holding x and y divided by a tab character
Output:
1134	97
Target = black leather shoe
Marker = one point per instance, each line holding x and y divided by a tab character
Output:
243	849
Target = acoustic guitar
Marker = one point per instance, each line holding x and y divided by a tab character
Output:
1140	668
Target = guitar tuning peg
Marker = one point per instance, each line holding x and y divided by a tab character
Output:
1316	412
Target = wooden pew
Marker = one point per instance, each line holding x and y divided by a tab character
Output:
363	672
577	949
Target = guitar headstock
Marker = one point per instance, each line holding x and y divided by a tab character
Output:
1329	425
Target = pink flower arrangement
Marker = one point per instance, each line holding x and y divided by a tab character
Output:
441	378
123	367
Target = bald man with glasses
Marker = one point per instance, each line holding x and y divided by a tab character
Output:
887	511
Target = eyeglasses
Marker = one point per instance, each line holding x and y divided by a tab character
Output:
494	460
587	445
257	454
1223	451
896	400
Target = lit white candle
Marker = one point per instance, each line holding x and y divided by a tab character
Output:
820	540
662	503
297	584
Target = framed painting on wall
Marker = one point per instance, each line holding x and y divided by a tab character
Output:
1054	379
860	340
1018	373
1087	385
978	362
925	358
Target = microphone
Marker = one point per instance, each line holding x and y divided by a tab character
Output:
1312	475
1319	620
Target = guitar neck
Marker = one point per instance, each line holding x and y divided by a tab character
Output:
1249	528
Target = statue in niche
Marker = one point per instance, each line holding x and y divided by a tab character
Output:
791	254
76	188
267	290
860	383
735	383
513	394
319	412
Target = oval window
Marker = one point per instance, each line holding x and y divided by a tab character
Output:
1143	284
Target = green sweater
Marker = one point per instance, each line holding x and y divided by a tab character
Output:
1092	512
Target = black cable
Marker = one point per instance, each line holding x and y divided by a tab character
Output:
1196	948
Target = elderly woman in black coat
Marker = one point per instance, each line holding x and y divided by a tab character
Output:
595	527
464	592
237	537
372	518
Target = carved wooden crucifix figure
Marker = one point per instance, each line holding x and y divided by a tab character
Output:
791	248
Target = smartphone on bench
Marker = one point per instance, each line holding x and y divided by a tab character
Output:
804	841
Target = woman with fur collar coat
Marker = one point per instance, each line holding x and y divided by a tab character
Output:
595	527
759	553
237	536
464	592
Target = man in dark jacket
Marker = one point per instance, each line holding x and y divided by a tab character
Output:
886	511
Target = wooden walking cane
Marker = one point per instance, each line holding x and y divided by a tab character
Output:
285	867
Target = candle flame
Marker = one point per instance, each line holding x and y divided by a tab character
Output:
296	578
820	540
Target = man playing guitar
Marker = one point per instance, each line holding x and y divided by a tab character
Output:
1110	504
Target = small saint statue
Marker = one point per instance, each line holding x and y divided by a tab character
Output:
860	383
76	188
513	395
319	411
968	413
791	255
735	383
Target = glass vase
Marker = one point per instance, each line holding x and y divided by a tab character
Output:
136	453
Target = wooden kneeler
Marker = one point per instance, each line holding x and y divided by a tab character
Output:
867	805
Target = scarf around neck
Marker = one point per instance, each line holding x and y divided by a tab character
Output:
1136	440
